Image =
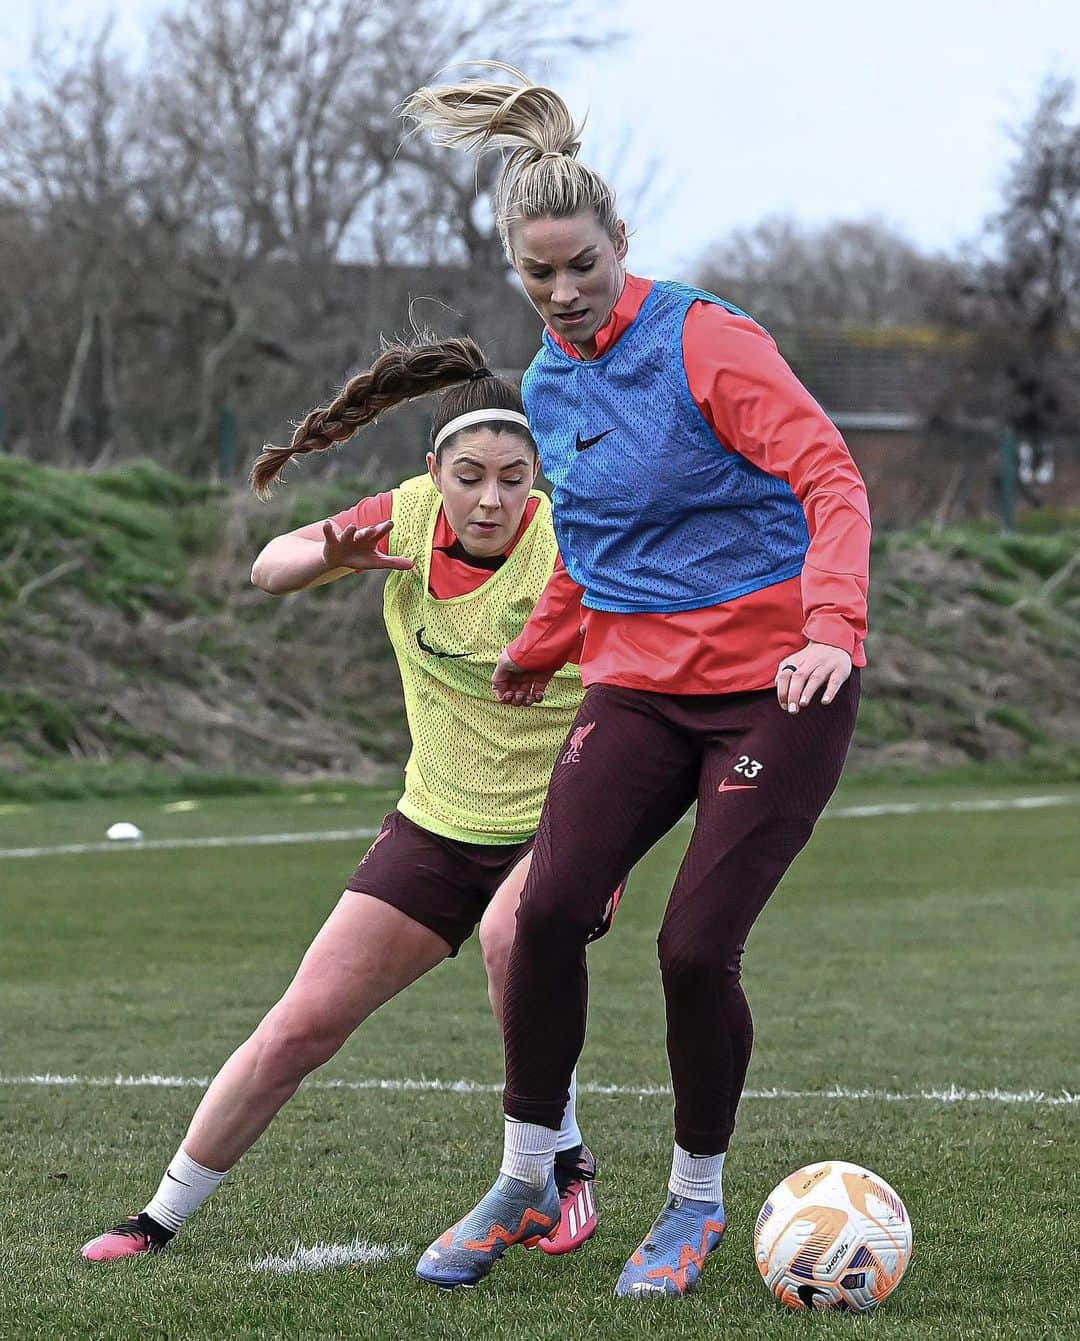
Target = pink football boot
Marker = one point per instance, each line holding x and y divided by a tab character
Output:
574	1177
133	1237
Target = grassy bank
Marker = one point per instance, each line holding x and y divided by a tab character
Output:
137	657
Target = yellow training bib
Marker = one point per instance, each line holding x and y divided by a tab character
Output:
479	769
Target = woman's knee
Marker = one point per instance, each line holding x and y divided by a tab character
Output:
293	1041
690	964
568	917
496	941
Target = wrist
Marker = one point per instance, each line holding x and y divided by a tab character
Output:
526	661
831	631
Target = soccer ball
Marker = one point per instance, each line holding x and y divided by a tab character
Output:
833	1235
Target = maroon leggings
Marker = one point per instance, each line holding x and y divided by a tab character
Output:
633	764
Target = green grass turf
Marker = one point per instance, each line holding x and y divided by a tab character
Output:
901	953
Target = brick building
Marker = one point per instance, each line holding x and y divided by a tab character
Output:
887	391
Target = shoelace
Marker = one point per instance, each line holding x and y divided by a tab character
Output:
130	1229
578	1172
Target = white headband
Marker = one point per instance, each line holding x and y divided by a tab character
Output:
479	417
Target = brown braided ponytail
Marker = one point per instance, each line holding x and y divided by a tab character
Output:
402	372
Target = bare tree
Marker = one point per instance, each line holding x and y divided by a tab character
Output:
1027	290
235	223
857	273
1014	306
67	154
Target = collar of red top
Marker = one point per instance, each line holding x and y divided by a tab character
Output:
628	304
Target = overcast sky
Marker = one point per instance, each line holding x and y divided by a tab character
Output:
839	109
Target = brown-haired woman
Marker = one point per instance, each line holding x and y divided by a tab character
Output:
468	548
715	533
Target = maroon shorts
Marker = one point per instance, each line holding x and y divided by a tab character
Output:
442	883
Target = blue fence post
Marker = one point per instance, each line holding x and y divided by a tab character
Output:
227	443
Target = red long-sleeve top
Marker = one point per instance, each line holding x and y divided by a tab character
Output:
756	406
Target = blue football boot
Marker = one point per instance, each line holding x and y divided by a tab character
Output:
512	1212
668	1262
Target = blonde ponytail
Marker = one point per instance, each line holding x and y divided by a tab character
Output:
541	176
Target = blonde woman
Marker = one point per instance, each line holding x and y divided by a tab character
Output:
467	548
715	533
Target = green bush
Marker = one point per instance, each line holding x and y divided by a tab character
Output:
1043	554
36	723
1017	721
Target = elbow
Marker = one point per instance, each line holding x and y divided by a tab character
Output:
263	577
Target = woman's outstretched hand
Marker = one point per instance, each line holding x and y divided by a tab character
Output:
803	673
518	687
354	547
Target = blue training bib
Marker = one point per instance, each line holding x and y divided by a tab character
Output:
652	511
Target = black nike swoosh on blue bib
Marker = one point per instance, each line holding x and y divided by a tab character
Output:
583	444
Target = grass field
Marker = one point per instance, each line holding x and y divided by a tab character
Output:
905	953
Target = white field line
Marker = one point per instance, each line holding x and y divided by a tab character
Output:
320	1256
167	844
344	835
950	1094
955	807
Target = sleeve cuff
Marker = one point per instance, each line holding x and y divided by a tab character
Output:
533	655
833	630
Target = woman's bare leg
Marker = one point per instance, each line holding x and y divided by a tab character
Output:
497	928
365	954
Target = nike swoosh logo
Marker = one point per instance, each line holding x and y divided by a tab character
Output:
423	646
807	1292
175	1179
583	444
726	786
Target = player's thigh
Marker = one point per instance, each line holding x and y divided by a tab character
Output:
723	883
761	790
774	763
619	781
498	926
499	921
366	952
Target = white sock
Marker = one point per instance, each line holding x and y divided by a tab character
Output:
182	1191
699	1177
570	1133
528	1151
